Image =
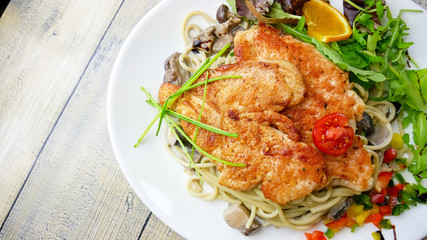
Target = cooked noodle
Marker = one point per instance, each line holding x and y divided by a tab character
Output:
299	214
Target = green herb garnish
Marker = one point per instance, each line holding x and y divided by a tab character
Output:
365	200
165	113
329	233
385	223
201	112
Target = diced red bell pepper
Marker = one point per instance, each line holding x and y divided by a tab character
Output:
383	180
338	224
400	186
377	198
384	192
385	210
350	222
394	191
389	155
374	218
316	235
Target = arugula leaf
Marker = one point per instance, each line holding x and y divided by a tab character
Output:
232	4
419	165
422	76
371	43
380	10
276	11
420	129
365	20
300	25
418	178
370	2
399	208
406	89
351	54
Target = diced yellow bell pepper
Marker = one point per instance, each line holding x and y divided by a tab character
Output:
354	210
360	219
376	236
375	209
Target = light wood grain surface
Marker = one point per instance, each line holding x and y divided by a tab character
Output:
59	178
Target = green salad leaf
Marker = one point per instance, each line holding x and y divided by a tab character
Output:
276	11
232	4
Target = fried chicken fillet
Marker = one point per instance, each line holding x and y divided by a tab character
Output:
268	144
327	90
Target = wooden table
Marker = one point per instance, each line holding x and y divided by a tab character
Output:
59	178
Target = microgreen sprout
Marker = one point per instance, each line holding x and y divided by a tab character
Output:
201	111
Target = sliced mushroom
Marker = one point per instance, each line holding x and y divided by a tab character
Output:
204	40
174	72
237	215
381	133
262	6
222	14
340	209
221	42
226	27
215	37
366	125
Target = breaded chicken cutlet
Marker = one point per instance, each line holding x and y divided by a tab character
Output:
327	90
268	144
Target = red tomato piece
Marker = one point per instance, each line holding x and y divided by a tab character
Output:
316	235
389	155
400	186
350	222
339	223
394	191
377	198
385	210
383	180
374	218
332	135
384	191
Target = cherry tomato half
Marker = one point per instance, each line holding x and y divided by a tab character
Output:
389	155
332	135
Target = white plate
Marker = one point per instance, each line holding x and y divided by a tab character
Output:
157	179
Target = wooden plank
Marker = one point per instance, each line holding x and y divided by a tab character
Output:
76	189
45	47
